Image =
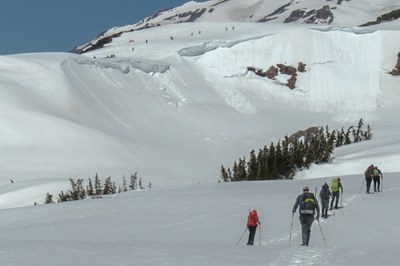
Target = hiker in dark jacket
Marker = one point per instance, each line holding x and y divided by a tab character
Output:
307	204
325	194
376	176
368	176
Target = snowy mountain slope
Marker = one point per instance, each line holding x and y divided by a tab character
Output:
202	225
175	109
341	13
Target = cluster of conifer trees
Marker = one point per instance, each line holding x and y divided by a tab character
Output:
78	192
282	160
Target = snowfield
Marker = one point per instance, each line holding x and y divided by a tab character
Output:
174	103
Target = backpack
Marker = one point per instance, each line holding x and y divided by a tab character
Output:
252	219
325	193
308	204
375	172
335	185
369	170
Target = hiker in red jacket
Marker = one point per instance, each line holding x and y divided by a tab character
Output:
252	223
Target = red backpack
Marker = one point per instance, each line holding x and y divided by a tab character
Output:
252	219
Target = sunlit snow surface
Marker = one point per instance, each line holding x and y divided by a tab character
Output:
174	111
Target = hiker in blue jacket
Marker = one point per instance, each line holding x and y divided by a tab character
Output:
308	205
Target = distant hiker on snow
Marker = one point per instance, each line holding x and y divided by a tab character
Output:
325	195
252	223
336	188
308	205
368	176
376	175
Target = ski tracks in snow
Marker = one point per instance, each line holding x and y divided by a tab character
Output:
298	255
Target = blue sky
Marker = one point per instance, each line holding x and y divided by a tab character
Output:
60	25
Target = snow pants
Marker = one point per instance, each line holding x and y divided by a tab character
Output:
335	198
324	207
252	233
377	183
368	179
306	222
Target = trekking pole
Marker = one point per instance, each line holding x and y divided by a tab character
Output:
320	229
291	227
241	236
341	199
362	185
259	236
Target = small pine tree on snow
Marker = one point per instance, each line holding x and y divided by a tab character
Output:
107	188
242	173
63	197
114	187
89	188
77	192
368	133
97	185
252	166
124	184
272	171
49	198
224	174
133	181
347	139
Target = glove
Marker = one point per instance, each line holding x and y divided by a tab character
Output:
293	211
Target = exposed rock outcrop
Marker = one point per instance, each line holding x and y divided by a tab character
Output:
393	15
283	69
301	67
289	70
272	72
292	82
311	131
323	15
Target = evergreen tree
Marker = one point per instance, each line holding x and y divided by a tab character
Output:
133	181
297	154
114	187
359	131
286	165
368	133
340	138
77	192
252	166
282	160
279	160
89	188
347	139
224	174
309	153
97	185
49	198
124	184
261	165
235	172
242	174
229	174
271	162
108	188
63	197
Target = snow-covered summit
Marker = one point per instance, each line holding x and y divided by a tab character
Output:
329	12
